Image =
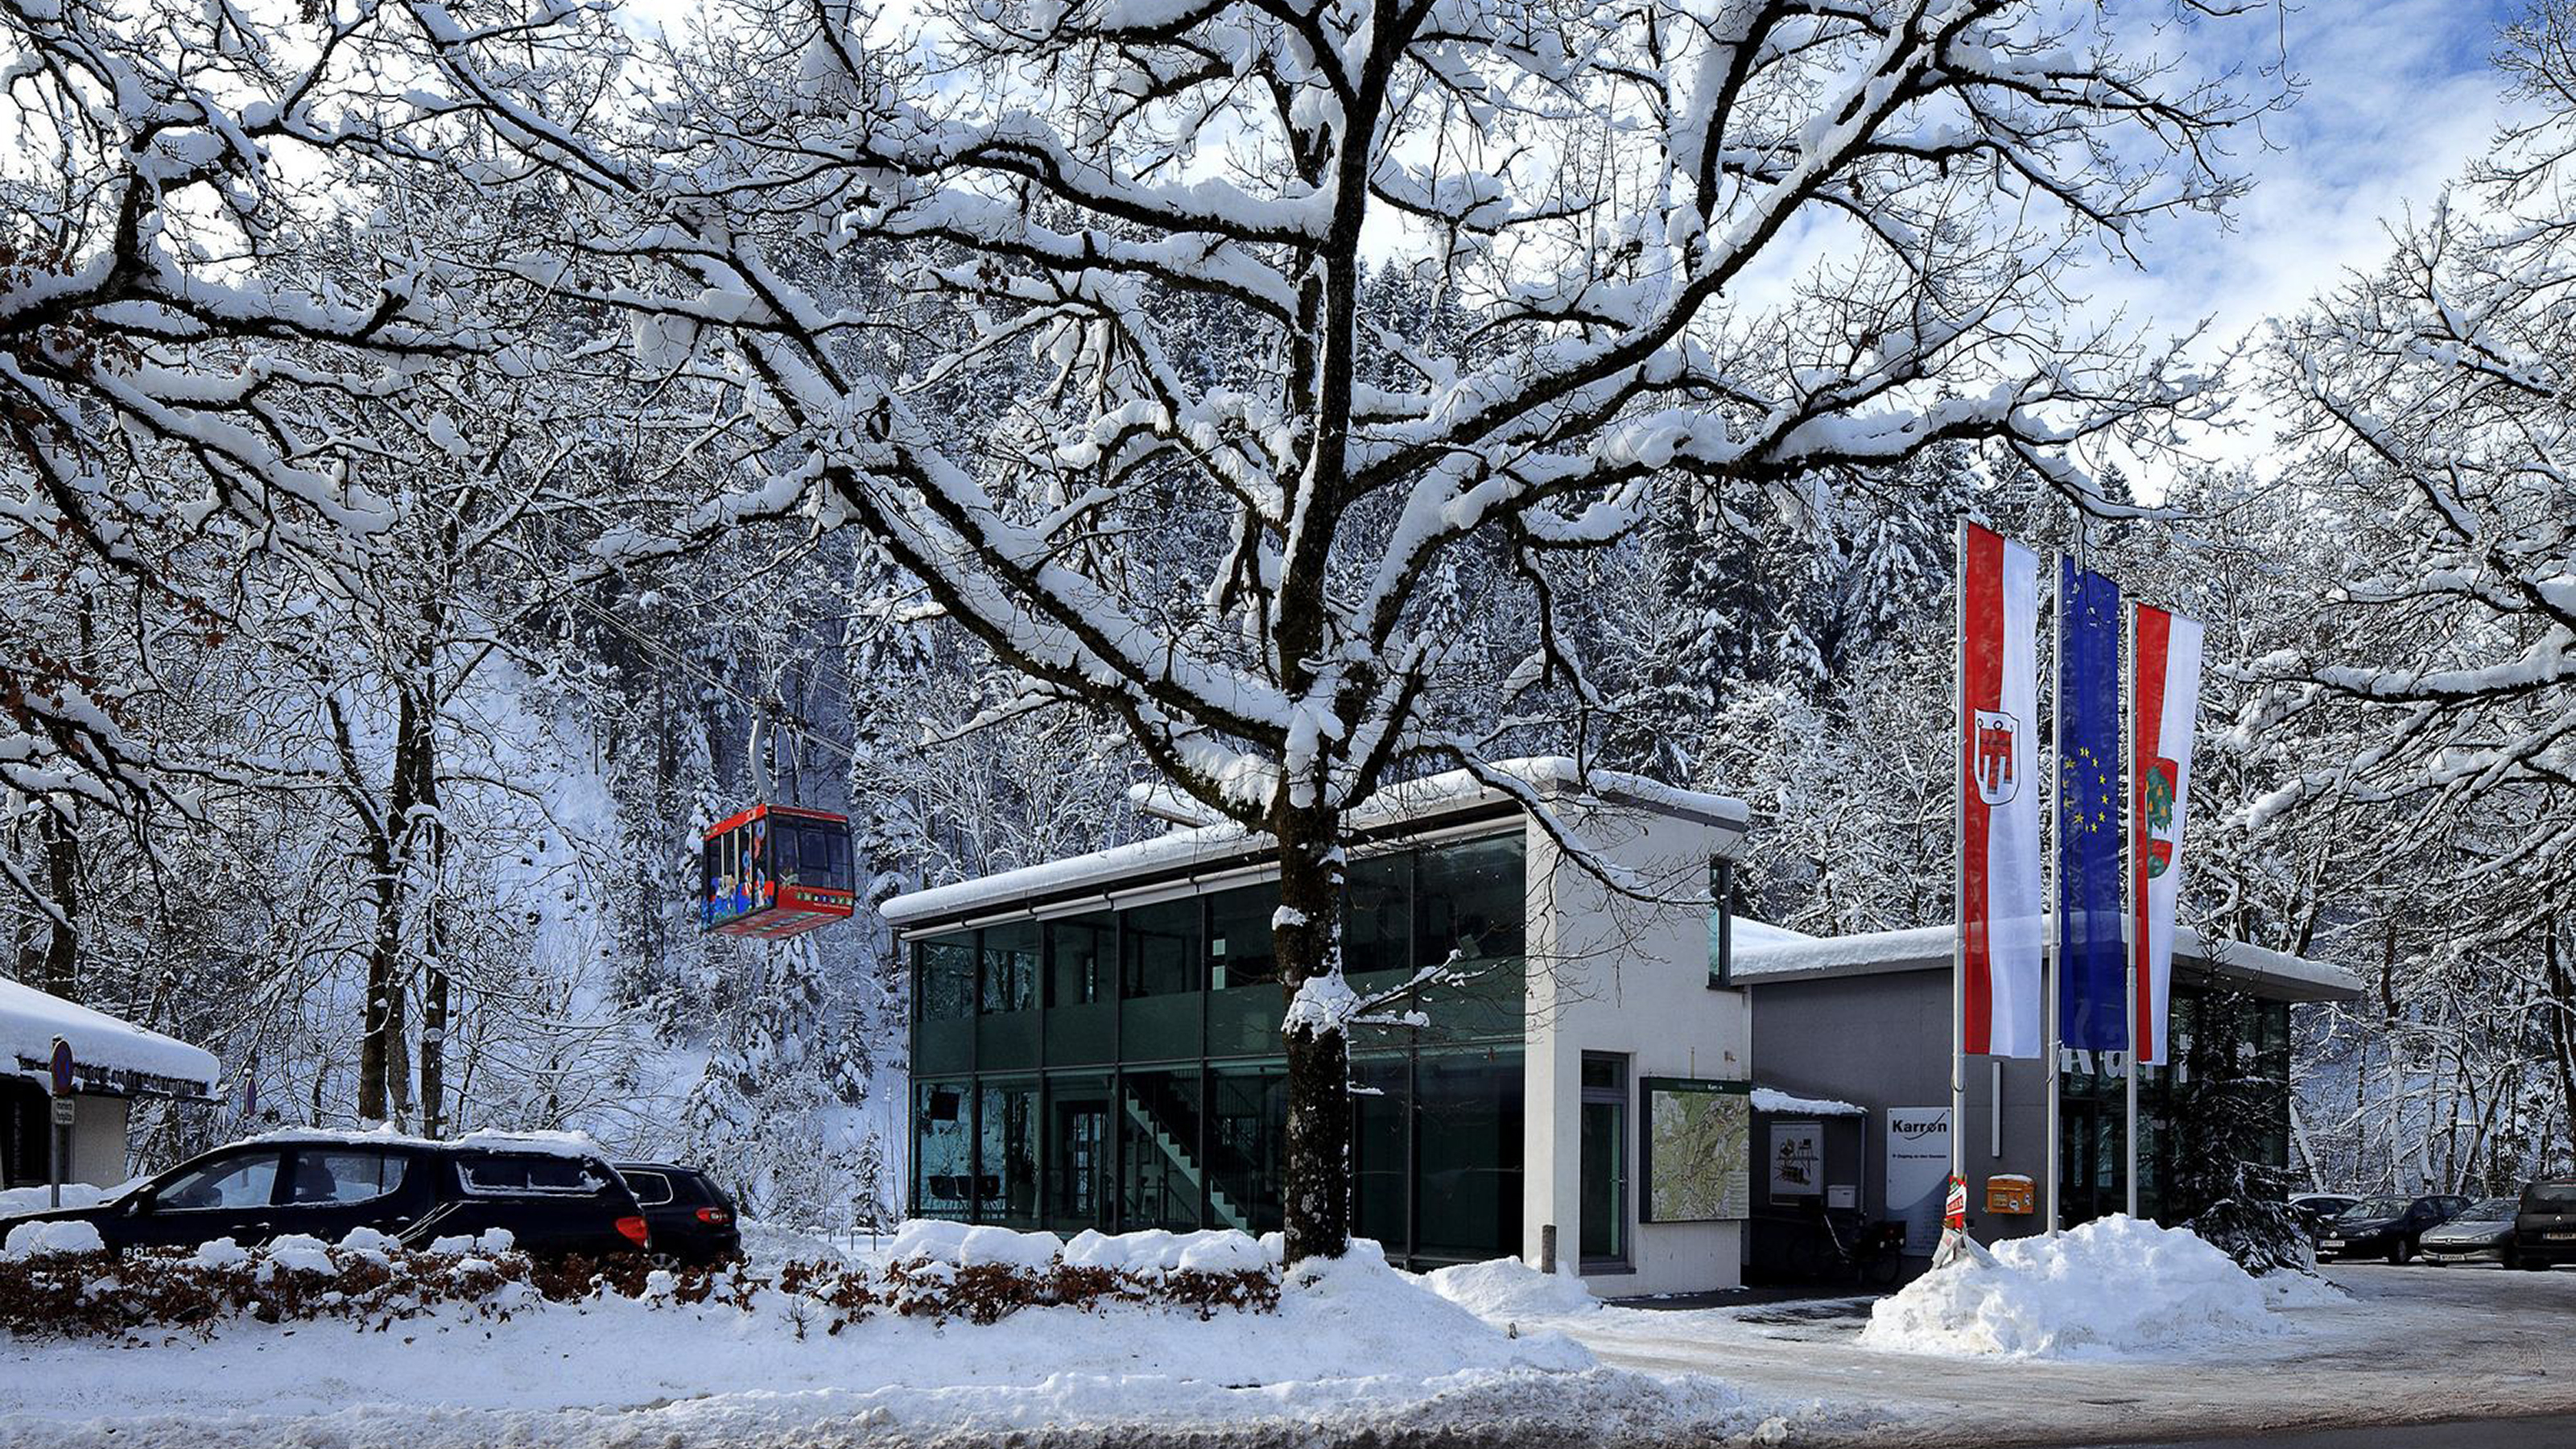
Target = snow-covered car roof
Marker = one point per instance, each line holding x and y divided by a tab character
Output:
109	1053
1774	955
551	1144
1206	848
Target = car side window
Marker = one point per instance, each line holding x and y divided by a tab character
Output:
248	1180
652	1189
324	1176
529	1173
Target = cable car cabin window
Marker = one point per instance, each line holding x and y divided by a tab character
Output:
822	858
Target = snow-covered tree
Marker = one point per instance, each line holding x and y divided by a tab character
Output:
1250	578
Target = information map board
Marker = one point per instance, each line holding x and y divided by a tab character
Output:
1698	1164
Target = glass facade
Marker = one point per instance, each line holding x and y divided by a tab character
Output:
2092	1172
1121	1069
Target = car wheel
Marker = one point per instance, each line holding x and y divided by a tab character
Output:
2400	1251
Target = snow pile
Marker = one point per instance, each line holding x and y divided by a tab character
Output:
31	1240
1508	1290
17	1200
2113	1287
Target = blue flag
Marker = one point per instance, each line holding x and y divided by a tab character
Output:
2092	961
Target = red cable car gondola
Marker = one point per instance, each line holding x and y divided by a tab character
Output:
775	871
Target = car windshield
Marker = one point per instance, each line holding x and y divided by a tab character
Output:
2378	1207
2551	1197
2490	1210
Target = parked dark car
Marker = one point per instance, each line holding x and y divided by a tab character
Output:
2544	1229
2386	1227
2316	1209
552	1198
2481	1233
693	1221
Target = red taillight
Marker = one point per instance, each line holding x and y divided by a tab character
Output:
635	1231
717	1216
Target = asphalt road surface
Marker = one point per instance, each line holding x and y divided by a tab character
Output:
2550	1432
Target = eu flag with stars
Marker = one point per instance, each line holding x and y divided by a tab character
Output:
2092	961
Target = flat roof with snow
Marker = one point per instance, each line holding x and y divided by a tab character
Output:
1765	954
109	1054
1435	802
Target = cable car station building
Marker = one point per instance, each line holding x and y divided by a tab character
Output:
1095	1041
1095	1044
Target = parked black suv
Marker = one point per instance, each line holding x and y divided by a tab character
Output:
553	1197
692	1219
2386	1227
2544	1231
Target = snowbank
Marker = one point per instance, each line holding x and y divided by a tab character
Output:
1353	1343
17	1200
30	1240
2114	1287
1508	1290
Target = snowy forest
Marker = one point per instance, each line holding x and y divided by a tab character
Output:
455	452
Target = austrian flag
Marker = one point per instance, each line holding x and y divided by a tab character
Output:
2164	699
2000	983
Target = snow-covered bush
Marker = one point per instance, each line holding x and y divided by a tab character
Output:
2263	1237
61	1283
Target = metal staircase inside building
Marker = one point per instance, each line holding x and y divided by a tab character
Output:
1184	1163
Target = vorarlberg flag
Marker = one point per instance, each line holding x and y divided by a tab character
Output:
2092	959
1999	899
2164	699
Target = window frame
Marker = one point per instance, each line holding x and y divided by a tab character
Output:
295	1161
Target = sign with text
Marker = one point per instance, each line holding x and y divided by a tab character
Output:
1918	1173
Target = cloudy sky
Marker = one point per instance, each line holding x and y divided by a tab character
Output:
2396	96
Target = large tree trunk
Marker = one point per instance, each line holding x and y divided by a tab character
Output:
384	1083
61	974
1307	933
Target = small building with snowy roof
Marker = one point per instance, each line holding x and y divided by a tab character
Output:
1096	1041
113	1063
1866	1019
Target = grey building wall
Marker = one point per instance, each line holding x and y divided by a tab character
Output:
1882	1041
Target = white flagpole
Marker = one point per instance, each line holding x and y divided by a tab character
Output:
2128	879
2053	833
1958	862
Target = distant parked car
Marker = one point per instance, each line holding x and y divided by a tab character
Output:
2544	1230
691	1218
2481	1233
2386	1227
553	1198
2316	1209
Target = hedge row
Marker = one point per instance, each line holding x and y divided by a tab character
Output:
93	1294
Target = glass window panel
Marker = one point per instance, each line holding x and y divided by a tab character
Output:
943	1151
1467	1146
1161	948
1006	1181
1241	949
1159	1145
1604	1193
1010	976
1381	1109
1377	915
1470	898
1079	1153
1080	953
947	976
1247	1135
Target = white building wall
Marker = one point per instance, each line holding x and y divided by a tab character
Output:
98	1141
1609	973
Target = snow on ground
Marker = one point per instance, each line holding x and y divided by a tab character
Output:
2113	1287
1508	1291
1353	1344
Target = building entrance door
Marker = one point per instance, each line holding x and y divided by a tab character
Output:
2089	1160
